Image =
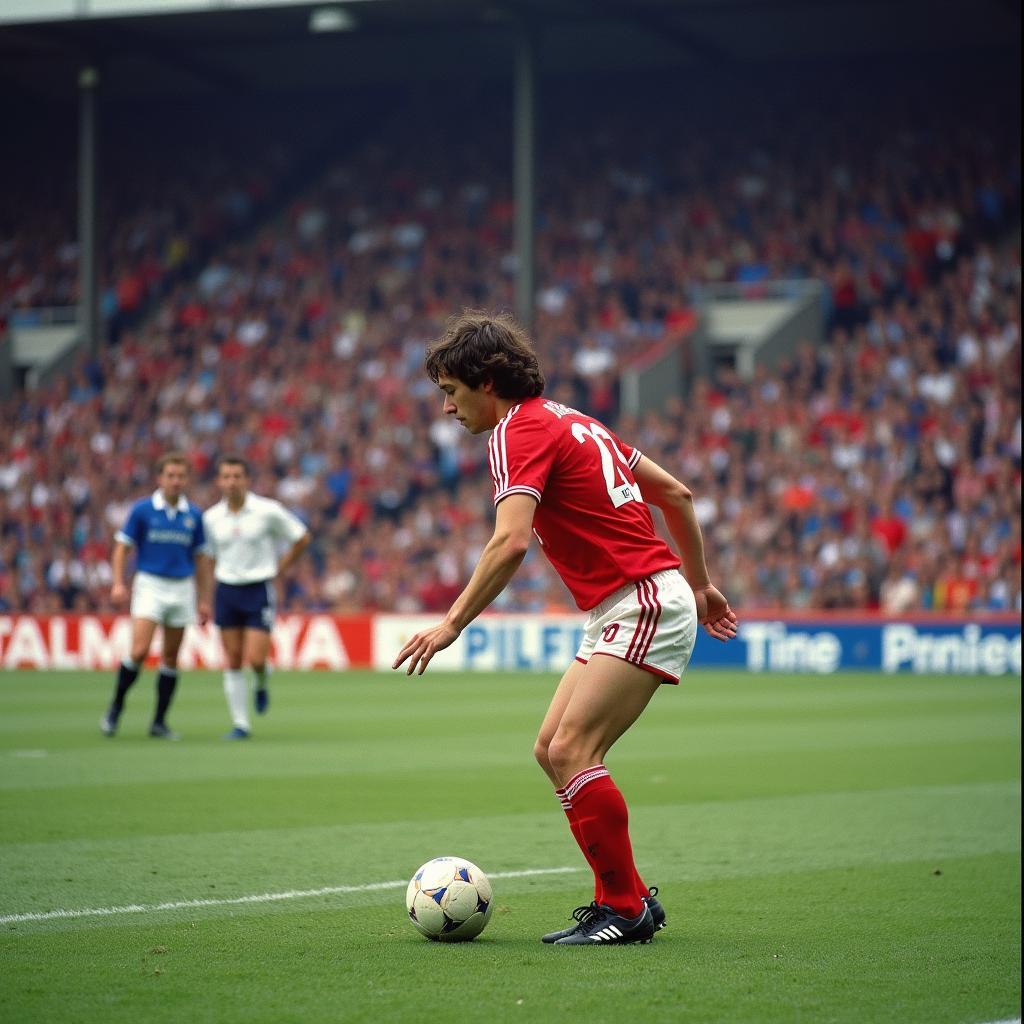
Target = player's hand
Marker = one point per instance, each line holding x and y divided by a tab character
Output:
714	613
118	593
423	646
204	612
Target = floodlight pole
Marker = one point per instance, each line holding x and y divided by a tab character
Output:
524	169
88	234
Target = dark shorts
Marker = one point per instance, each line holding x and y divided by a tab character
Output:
245	606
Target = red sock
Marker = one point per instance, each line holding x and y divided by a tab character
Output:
574	827
604	826
642	890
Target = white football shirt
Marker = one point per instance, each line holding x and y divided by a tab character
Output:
246	543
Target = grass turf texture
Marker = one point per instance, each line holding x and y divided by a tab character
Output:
842	849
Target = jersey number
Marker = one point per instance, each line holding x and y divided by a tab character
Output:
620	490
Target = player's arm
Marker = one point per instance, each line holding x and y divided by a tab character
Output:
499	560
675	499
118	561
290	557
290	528
497	565
204	553
130	536
205	564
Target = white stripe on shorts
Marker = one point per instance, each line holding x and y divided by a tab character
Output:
647	595
654	624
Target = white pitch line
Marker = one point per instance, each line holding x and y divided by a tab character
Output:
265	897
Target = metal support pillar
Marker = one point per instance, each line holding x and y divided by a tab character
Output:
88	234
524	170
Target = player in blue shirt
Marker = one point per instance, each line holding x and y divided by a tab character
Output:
166	531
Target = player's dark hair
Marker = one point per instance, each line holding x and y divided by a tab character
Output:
173	459
477	347
234	460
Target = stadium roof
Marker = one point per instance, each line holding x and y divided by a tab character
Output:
195	48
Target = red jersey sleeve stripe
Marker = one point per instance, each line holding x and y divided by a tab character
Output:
501	449
495	455
518	489
492	459
497	452
634	458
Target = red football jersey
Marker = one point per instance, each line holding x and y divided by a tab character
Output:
591	519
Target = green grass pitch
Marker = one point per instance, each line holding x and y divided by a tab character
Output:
838	849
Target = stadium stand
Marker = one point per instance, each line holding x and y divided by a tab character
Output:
174	191
880	469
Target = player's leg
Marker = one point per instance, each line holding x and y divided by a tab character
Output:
251	618
257	651
178	611
236	688
233	639
549	727
261	624
166	681
559	702
607	699
143	630
632	644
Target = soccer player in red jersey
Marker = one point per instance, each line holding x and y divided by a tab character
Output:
567	479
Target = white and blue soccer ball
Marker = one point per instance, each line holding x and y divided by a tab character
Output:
449	900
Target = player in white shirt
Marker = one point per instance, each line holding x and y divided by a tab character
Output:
244	534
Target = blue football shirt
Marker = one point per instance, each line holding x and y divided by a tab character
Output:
166	539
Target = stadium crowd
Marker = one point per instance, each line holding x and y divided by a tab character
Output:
878	470
172	191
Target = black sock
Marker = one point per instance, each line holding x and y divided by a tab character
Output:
126	675
166	681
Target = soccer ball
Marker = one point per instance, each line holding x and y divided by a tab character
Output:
449	900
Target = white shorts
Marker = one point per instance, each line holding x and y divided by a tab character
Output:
651	623
163	599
